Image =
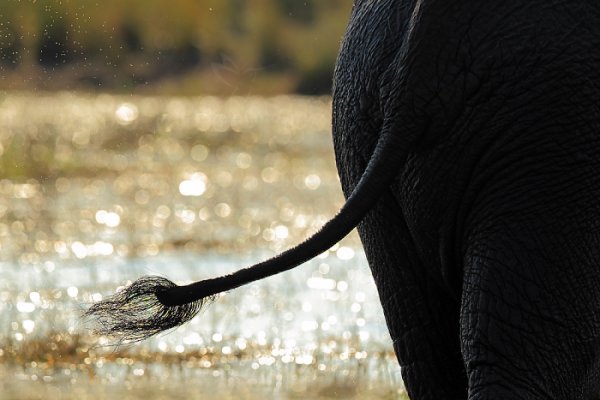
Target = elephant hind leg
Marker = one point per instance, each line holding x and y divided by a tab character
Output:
530	313
421	317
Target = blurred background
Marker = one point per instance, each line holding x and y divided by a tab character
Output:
185	139
220	47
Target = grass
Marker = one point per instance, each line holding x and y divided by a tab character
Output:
68	367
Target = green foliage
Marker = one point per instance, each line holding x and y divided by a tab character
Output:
123	43
301	11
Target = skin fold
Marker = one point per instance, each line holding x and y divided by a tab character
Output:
486	247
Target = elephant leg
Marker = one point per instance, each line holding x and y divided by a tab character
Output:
530	317
422	319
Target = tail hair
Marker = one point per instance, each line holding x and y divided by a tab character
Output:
136	313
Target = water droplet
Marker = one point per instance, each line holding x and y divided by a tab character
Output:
269	175
312	181
102	248
199	152
79	249
321	283
243	160
223	210
304	359
28	325
345	253
342	286
266	360
25	307
108	218
241	343
281	232
24	191
35	297
186	216
126	113
195	185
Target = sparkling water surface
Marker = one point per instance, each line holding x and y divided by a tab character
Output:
98	190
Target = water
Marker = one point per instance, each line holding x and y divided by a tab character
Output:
98	190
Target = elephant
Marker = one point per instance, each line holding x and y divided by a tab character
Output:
467	140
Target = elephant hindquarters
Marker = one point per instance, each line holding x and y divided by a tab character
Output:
530	314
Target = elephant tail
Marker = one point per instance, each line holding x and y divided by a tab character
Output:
154	304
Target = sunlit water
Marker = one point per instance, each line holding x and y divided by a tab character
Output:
98	190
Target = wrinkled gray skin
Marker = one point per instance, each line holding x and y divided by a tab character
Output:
486	249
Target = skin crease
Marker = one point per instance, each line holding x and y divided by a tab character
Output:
486	249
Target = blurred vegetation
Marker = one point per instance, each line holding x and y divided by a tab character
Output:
184	46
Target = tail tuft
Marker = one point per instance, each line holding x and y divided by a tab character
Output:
135	313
